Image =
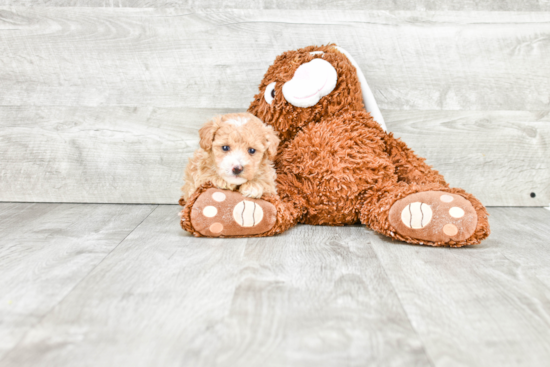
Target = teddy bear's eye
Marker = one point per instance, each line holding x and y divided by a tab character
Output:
251	150
225	148
269	94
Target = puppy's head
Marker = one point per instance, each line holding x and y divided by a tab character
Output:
239	144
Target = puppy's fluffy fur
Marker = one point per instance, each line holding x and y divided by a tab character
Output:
228	143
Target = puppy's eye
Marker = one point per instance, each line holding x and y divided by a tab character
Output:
251	150
269	94
225	148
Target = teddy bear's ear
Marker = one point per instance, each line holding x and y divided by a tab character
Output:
207	133
272	142
368	98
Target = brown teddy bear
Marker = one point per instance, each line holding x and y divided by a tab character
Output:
337	165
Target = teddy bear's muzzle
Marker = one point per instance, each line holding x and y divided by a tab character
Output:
311	82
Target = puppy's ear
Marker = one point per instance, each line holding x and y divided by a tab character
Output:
207	133
272	142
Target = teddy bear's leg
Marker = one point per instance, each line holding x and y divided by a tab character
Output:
212	212
429	214
409	167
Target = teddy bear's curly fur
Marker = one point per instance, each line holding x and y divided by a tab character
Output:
337	166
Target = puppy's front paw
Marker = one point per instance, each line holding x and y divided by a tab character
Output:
221	184
251	191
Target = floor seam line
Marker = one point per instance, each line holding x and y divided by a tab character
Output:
402	306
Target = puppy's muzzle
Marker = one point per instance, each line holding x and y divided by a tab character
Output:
237	169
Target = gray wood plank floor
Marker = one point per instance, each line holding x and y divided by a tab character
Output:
46	250
122	285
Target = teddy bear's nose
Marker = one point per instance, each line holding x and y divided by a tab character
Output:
310	82
237	169
302	73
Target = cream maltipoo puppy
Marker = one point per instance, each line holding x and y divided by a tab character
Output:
236	152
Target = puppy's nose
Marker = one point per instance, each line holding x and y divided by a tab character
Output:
237	169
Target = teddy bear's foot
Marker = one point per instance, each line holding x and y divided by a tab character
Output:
434	216
224	213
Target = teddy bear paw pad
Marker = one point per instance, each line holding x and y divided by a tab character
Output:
223	213
435	216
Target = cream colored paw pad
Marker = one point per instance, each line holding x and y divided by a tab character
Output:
456	212
218	196
210	211
446	198
248	213
416	215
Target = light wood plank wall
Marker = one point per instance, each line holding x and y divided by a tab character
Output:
101	100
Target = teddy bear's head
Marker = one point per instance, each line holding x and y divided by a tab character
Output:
307	85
